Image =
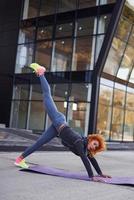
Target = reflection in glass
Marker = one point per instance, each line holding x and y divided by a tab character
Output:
129	126
66	5
86	26
86	3
26	35
60	92
30	8
131	38
44	32
80	92
107	82
43	53
99	42
104	120
36	92
78	115
37	115
48	7
119	98
130	99
107	1
126	64
131	80
106	95
24	58
62	55
123	29
19	114
117	124
21	91
114	57
63	30
83	54
103	23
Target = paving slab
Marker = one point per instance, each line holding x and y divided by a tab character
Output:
18	185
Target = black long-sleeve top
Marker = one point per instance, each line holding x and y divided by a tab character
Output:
78	145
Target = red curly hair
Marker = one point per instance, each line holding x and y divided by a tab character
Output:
101	141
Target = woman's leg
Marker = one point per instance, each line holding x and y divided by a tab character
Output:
43	139
56	117
46	136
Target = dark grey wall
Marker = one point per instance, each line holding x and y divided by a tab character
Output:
10	12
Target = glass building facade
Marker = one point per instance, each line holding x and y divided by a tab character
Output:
66	37
116	99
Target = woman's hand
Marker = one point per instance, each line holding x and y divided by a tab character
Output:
98	179
105	176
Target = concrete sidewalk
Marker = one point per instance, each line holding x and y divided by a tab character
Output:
17	185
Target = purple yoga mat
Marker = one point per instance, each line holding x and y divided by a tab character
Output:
78	175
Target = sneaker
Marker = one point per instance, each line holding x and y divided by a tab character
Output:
39	70
21	163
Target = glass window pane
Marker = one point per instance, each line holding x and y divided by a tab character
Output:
106	95
126	64
30	8
114	57
27	32
60	92
80	92
107	82
24	58
19	114
131	80
131	38
104	120
62	55
123	29
37	116
44	32
36	92
117	124
86	3
43	54
86	26
99	42
78	115
130	99
130	3
66	5
63	30
119	98
129	126
103	23
21	91
107	1
83	54
48	7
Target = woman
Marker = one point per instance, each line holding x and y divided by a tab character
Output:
84	147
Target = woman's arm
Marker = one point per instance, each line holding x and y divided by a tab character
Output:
79	148
97	168
95	164
87	165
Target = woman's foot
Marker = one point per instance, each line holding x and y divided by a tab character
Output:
19	162
39	70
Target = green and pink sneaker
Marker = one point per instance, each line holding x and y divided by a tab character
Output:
19	162
39	70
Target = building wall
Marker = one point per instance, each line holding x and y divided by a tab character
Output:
9	23
67	42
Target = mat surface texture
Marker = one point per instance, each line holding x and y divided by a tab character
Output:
77	175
